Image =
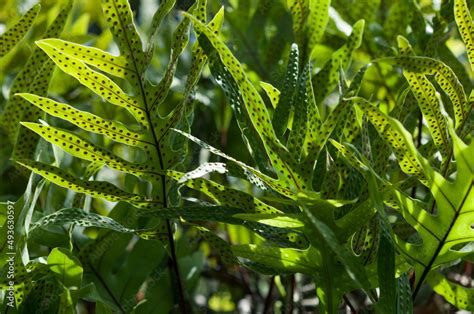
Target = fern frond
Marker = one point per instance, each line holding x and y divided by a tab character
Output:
34	78
326	79
465	26
14	34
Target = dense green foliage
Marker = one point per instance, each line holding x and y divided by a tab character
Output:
236	156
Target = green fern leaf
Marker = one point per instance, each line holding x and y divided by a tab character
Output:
98	189
277	260
272	92
15	33
224	195
95	81
299	12
115	65
397	138
271	182
89	122
429	103
223	248
34	78
459	296
285	103
163	10
317	20
326	79
119	16
299	127
446	79
465	26
450	226
79	217
281	236
256	110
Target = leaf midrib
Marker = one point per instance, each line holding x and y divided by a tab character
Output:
443	241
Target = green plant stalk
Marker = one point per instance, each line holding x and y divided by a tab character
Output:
172	249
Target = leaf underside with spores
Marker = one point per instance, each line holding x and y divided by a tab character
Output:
14	34
83	63
360	172
34	78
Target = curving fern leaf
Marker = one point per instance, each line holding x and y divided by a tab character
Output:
459	296
428	101
34	78
15	33
149	132
465	26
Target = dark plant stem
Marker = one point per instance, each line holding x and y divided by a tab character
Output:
101	280
173	261
104	284
175	268
349	304
290	296
148	107
438	249
268	300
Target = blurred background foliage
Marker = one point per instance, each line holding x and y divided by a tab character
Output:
260	34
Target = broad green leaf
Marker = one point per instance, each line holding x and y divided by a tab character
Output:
459	296
226	214
465	26
15	33
451	226
66	267
281	260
